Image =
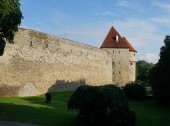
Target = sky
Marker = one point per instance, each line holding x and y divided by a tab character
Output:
144	23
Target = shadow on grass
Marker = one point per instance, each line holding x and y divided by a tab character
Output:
34	110
57	98
43	115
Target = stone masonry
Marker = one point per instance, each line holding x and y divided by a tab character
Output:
36	61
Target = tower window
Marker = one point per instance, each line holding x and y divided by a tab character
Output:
117	38
131	63
113	63
119	72
113	38
30	43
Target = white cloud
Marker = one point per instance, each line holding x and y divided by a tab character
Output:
123	3
60	18
161	20
163	5
140	32
149	57
143	35
91	35
108	13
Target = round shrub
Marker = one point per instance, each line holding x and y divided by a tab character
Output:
87	99
102	105
134	91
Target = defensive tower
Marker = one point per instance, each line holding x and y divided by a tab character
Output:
123	57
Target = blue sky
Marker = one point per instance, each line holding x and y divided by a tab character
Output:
143	22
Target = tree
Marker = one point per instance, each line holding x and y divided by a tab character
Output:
10	19
143	69
160	74
102	105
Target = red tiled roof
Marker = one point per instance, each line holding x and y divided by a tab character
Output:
129	45
111	42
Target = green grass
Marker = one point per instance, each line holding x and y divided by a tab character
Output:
34	110
150	113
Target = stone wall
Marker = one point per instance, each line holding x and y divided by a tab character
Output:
40	60
123	65
132	67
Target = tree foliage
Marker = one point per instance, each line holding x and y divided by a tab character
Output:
160	74
102	105
143	69
135	90
10	18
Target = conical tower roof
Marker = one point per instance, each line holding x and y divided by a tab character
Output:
114	40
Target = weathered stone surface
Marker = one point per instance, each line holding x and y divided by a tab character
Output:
36	61
42	59
28	89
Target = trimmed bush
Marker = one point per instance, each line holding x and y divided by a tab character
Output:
102	105
134	91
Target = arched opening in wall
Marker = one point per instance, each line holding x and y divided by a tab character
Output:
131	63
28	89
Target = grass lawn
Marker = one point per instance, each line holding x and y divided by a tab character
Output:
34	110
150	113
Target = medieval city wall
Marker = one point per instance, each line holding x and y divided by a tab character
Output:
36	61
